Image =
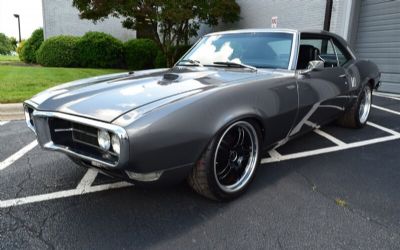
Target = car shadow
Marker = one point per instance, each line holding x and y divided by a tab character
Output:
139	217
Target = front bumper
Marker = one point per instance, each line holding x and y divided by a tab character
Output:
40	123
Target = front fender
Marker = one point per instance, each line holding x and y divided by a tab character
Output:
177	133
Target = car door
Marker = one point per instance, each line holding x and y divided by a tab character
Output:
323	92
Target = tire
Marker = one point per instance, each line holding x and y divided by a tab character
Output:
357	115
227	166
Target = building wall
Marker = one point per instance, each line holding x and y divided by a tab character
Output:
61	18
292	14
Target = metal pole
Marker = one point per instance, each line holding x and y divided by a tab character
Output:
19	29
328	15
19	26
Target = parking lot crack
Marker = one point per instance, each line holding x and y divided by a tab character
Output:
28	177
359	213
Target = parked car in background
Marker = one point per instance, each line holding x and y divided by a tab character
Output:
208	119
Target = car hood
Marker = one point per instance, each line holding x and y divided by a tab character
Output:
107	97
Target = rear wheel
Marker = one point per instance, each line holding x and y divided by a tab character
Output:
357	115
227	167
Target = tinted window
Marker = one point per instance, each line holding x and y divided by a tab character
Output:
262	50
342	54
324	49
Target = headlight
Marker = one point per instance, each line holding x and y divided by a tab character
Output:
104	140
116	145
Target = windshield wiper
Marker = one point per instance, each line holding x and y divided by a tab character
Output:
234	64
193	62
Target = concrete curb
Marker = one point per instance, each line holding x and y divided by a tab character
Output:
12	111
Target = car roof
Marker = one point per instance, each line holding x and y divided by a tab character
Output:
252	31
293	31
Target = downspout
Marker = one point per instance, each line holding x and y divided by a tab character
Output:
328	15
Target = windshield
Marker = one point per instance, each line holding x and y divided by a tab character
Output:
261	50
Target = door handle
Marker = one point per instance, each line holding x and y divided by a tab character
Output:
343	76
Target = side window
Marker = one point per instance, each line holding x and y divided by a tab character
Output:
316	49
342	54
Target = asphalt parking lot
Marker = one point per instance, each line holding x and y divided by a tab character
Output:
334	188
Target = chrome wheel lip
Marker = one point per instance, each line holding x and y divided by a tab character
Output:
252	162
365	105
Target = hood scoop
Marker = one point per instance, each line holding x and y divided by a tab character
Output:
169	78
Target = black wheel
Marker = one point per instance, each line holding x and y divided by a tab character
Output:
357	115
227	167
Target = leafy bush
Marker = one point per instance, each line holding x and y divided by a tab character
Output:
161	60
100	50
28	52
140	53
14	43
19	49
58	51
5	45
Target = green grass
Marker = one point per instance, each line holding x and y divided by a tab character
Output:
9	58
19	83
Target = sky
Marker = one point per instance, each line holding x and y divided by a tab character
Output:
30	12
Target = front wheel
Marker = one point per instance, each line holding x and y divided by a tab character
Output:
357	115
227	166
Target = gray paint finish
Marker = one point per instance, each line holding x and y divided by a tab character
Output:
175	119
378	39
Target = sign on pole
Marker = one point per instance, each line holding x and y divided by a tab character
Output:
274	22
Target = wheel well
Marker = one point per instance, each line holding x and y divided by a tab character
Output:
371	83
257	122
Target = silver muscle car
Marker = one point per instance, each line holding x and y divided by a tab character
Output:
208	119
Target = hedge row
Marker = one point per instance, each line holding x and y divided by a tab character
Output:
94	50
97	50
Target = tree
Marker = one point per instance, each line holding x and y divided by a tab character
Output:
14	43
28	52
170	23
5	45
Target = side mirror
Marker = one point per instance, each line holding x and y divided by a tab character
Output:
315	65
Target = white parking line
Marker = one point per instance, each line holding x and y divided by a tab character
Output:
87	180
3	123
390	96
84	187
10	160
329	137
330	149
385	109
387	130
61	194
275	154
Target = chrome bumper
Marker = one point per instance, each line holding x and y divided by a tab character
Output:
38	122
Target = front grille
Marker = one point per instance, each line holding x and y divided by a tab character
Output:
79	138
28	117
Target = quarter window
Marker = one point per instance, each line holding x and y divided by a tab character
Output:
343	55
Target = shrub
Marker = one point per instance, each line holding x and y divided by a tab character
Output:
58	51
100	50
19	49
140	53
28	52
161	60
5	45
